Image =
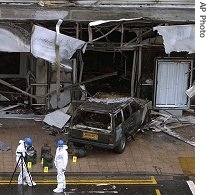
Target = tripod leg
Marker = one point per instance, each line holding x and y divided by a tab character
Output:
28	174
22	161
15	170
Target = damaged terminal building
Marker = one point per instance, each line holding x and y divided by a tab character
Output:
55	52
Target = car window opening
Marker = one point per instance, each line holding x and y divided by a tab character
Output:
90	119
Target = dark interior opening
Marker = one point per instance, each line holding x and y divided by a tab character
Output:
10	63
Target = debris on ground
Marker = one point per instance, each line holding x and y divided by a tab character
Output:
57	118
77	151
188	139
171	125
9	107
56	121
4	147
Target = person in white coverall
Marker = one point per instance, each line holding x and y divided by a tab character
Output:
61	161
20	155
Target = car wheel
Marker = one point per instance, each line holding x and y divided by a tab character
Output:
121	147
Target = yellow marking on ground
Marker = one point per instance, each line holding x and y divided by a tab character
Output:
151	181
74	159
29	165
45	170
187	164
157	192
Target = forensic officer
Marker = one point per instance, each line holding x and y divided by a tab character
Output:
20	155
61	161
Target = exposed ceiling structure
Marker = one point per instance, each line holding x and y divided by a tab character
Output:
88	11
122	38
80	19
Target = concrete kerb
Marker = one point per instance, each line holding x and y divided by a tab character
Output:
105	175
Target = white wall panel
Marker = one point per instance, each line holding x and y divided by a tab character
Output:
172	80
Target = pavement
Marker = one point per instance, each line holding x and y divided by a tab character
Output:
152	153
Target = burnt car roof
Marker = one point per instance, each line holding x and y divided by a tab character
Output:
105	105
109	104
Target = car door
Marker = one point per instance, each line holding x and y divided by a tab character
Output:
134	120
128	123
117	126
136	114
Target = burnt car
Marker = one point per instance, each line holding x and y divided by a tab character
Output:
108	121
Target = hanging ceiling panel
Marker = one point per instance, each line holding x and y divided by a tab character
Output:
14	38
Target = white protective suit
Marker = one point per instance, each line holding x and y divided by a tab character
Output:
61	161
24	174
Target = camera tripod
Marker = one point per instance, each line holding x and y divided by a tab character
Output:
24	169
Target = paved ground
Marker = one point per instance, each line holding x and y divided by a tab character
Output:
105	187
151	152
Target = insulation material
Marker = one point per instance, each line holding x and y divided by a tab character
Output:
191	91
65	97
4	147
43	44
3	98
14	39
178	38
57	118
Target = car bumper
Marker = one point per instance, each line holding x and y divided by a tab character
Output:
92	143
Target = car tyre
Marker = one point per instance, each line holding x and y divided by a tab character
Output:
121	147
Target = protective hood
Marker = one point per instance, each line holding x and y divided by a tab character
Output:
21	141
65	147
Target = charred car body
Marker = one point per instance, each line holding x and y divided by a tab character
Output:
108	121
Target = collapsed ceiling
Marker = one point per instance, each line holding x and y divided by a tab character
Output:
120	41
